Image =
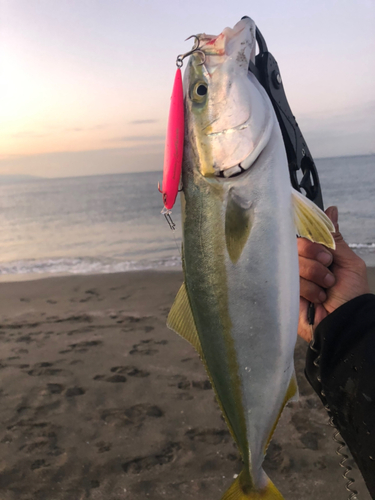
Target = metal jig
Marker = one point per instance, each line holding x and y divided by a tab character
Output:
194	50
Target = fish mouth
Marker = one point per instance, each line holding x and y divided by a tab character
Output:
238	169
251	158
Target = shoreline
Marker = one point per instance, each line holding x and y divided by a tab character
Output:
20	278
16	278
101	401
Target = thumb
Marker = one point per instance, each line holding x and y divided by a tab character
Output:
343	254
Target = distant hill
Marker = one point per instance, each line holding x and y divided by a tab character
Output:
11	179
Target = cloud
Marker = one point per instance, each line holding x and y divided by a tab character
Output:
142	122
139	138
81	129
30	134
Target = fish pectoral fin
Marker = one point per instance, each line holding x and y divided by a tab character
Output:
239	490
311	222
181	320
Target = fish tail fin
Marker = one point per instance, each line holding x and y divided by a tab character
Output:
240	491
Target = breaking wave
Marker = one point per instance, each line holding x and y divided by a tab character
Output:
66	266
362	245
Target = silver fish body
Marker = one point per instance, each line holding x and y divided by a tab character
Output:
239	246
245	306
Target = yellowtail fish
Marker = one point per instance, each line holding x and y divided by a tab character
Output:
239	302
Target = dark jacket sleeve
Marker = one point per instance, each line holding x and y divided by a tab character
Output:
344	350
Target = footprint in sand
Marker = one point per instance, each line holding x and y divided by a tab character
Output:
144	347
275	458
38	464
135	415
120	371
35	446
116	378
310	440
112	378
81	346
74	391
55	388
25	338
45	368
103	446
131	371
165	456
209	436
182	382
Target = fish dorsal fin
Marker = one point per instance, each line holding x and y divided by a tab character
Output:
181	321
311	222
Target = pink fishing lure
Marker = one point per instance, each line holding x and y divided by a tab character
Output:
174	144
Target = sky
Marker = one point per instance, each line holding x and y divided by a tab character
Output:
85	84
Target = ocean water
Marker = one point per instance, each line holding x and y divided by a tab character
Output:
112	223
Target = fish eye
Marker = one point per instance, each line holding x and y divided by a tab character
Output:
199	92
202	89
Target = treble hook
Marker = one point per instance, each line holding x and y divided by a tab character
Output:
194	50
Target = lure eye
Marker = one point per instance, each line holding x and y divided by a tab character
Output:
199	92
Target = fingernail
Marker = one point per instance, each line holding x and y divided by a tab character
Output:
322	296
324	257
333	214
329	280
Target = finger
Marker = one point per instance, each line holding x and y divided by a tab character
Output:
314	251
304	329
333	214
344	255
312	270
311	292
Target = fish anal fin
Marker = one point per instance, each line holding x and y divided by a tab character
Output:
311	222
181	320
239	490
290	395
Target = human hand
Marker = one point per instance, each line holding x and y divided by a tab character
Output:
330	288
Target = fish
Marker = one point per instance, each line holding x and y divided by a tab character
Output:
239	303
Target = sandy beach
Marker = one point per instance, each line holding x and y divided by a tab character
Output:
99	400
